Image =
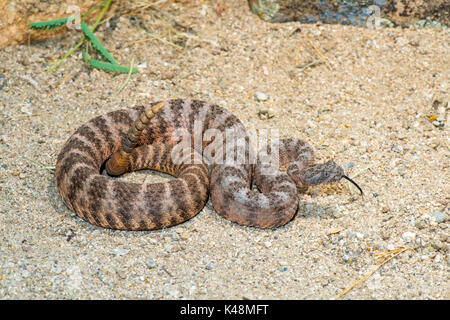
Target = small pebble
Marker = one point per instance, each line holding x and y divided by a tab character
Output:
420	224
174	236
121	274
437	259
120	251
210	267
346	257
385	234
386	23
409	236
429	24
438	245
351	164
150	263
259	96
142	65
172	293
26	110
282	262
397	148
359	235
183	235
439	217
265	114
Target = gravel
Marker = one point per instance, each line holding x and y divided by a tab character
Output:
354	94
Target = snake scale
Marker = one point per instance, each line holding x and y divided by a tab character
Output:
145	137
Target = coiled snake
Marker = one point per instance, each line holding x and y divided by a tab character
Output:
146	137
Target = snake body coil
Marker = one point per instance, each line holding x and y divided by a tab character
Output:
124	205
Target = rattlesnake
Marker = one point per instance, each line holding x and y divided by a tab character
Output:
145	137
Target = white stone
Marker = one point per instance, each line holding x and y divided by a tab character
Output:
261	96
409	236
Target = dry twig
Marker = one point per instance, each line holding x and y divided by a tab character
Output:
388	255
319	53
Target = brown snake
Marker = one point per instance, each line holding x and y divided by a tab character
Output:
145	138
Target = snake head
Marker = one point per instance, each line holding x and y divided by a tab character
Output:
316	174
321	173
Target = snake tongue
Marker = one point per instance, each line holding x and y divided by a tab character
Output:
354	183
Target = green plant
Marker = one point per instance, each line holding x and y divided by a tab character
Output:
110	66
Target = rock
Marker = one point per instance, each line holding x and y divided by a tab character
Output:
439	217
26	109
259	96
121	274
427	24
409	236
150	263
210	267
346	257
120	251
386	23
437	259
438	245
183	235
357	235
174	236
385	234
265	114
420	224
387	13
397	148
172	292
282	262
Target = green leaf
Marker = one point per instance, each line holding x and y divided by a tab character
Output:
50	25
114	68
96	43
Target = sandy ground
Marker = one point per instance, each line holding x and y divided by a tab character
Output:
375	101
